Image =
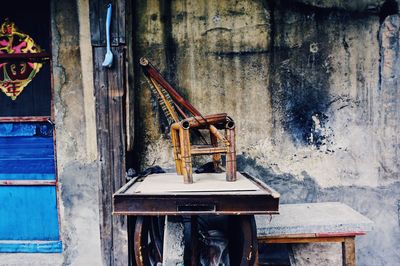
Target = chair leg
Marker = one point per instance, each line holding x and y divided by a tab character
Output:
231	155
176	148
186	156
217	156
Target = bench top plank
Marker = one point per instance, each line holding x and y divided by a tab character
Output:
313	218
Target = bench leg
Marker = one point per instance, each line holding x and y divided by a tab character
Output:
349	251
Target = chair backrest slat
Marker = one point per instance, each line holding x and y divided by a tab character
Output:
153	75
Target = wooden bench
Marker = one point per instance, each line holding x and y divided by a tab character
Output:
315	222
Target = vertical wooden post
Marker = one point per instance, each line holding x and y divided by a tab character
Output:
110	87
186	157
349	251
110	98
176	147
231	155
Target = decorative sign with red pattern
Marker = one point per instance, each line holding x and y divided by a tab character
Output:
15	75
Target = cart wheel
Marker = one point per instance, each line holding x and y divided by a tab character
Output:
238	231
242	240
241	233
148	240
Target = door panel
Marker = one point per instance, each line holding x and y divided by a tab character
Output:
29	212
26	151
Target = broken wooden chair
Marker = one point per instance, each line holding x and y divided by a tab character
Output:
185	120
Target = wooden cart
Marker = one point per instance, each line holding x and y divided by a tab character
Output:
151	198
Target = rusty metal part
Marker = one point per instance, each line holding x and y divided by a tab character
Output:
140	241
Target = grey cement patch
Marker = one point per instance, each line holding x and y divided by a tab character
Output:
173	241
80	215
313	218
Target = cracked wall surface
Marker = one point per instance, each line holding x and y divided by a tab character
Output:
312	86
75	125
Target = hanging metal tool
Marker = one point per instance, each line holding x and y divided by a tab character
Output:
109	56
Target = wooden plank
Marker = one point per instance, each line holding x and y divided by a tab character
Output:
110	99
26	157
27	183
110	93
94	22
291	240
30	246
44	153
315	235
350	233
116	87
98	11
130	77
40	166
122	20
288	236
25	119
115	18
102	119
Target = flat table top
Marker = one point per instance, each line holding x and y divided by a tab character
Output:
166	194
172	183
313	218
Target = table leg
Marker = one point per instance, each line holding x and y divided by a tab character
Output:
194	240
349	251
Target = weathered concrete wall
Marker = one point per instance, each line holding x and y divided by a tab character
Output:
75	124
313	86
76	141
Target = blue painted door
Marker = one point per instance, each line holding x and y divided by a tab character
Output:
28	181
28	198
